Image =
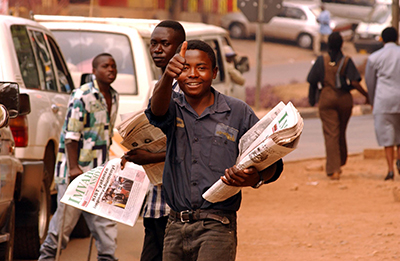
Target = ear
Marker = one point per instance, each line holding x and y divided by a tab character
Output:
215	71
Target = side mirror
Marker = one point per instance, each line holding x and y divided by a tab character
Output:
86	77
9	97
242	64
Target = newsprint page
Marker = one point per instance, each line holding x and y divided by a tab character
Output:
110	192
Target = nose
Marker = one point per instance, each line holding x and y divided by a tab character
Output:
192	72
158	48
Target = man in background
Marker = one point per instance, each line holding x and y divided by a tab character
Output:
165	39
84	144
383	82
324	20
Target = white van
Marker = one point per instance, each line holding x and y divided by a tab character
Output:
31	58
81	38
367	38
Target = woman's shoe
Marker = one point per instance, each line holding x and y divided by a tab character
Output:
390	175
398	166
335	176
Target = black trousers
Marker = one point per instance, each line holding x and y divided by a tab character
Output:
154	230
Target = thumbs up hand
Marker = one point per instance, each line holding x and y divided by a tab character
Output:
177	62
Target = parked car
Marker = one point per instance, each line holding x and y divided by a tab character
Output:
297	21
128	40
367	38
10	166
31	57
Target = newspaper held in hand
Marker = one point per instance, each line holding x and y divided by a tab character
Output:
110	192
138	133
270	139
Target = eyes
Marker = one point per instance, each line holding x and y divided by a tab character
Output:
155	44
198	68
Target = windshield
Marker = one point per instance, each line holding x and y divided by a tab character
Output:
380	14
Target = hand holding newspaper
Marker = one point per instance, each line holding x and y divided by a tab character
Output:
138	133
110	192
271	138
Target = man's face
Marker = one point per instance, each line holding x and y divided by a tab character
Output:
163	44
106	70
197	75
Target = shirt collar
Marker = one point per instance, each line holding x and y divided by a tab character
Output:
389	44
220	104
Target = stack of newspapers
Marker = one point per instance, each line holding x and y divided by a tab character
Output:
270	139
138	133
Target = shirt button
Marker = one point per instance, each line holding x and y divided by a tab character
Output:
194	161
194	183
196	139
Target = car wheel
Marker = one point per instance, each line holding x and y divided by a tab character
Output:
305	41
32	228
7	248
237	31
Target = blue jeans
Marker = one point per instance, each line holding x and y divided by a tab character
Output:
103	230
203	240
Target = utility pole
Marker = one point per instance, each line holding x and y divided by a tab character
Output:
395	14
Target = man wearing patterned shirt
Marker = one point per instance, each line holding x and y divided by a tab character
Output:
165	39
84	144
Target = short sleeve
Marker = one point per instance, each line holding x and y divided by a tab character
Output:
75	118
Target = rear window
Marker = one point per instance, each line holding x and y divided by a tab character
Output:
80	47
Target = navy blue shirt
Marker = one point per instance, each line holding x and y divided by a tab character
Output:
200	148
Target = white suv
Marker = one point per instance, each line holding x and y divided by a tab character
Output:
32	58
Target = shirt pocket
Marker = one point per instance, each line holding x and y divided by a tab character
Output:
223	154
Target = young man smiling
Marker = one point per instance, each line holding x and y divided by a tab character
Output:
197	123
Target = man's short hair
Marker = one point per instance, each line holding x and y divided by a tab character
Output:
202	46
389	34
95	61
176	26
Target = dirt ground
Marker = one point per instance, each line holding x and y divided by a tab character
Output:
306	216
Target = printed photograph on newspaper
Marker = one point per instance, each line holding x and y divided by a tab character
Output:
110	192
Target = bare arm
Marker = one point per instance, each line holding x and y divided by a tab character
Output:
71	148
142	157
359	88
163	88
247	177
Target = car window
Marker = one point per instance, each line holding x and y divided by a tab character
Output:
26	58
43	58
64	78
80	47
295	13
217	50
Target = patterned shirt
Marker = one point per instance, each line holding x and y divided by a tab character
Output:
155	205
87	121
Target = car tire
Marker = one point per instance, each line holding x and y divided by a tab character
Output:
305	41
7	248
237	31
32	228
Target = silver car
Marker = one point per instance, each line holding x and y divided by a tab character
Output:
297	21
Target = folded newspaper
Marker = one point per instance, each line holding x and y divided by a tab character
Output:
271	138
138	133
110	192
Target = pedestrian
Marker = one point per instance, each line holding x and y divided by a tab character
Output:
203	128
235	74
337	75
84	144
164	41
382	78
324	20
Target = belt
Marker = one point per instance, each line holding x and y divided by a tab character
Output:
187	216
